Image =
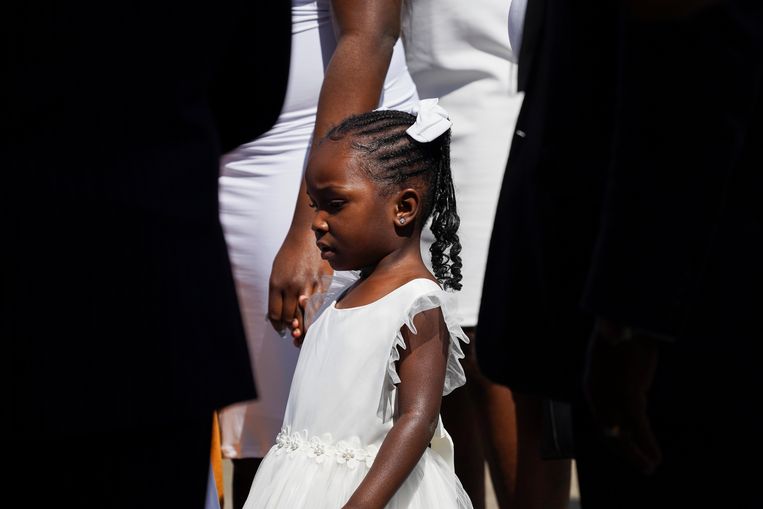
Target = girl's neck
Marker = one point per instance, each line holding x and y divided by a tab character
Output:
399	264
392	271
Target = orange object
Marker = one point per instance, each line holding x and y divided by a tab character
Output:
217	458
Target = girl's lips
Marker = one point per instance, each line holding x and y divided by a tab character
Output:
326	252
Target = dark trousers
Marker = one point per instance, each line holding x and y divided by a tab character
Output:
165	467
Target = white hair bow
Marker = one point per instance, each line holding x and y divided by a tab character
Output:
431	121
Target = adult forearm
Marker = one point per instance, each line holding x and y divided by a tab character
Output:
303	214
352	84
354	78
398	455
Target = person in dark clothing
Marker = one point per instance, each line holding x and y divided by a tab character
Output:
121	330
628	217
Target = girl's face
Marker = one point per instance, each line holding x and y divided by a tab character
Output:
354	224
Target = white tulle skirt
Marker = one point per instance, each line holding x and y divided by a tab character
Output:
301	482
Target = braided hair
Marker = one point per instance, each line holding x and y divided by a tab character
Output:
393	159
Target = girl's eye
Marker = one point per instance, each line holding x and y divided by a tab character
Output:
336	204
311	204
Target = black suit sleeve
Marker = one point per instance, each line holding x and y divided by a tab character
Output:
531	36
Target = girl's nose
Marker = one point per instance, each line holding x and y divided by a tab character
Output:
319	223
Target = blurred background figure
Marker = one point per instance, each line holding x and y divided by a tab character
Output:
675	275
463	56
627	216
121	330
345	59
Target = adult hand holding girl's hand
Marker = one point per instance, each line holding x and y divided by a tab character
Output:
366	35
297	273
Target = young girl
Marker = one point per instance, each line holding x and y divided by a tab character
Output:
364	403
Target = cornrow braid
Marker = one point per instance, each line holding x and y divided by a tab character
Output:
391	157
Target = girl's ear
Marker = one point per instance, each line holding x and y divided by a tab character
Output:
407	207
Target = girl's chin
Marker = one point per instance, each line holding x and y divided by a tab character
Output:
338	264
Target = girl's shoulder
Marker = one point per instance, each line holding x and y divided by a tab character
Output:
415	297
371	292
423	294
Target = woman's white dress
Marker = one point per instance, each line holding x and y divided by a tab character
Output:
460	52
259	182
342	405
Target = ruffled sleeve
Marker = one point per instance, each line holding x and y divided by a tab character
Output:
454	373
329	290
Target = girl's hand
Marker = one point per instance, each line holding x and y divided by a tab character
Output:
298	326
296	275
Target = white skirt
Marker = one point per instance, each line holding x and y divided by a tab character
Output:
298	481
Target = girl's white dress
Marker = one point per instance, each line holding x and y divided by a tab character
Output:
342	405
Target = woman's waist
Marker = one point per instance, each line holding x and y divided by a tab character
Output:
291	133
309	14
342	447
399	89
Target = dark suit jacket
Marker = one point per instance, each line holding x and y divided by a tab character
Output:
655	225
530	330
119	305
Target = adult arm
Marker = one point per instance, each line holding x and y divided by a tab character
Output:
366	34
620	370
422	376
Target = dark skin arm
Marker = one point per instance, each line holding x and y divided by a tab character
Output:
366	34
422	375
617	382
